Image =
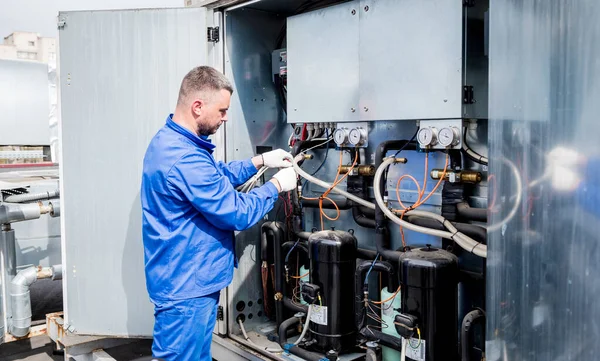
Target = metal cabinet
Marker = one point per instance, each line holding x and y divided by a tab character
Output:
120	73
376	60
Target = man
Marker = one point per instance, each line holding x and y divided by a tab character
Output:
190	210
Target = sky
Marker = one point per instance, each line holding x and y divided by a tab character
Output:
39	16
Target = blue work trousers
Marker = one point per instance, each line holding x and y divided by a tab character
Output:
183	329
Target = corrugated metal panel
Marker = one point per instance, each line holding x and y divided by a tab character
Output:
24	103
543	264
120	73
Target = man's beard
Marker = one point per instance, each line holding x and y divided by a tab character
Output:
207	130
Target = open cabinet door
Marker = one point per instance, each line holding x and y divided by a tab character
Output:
120	73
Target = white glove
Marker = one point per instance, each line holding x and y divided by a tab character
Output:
287	179
277	158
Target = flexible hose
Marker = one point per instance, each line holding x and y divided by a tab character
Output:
403	352
306	323
326	185
462	240
476	157
268	349
32	197
515	208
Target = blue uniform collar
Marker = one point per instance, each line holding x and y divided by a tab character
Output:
202	141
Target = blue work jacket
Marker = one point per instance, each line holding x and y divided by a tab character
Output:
190	210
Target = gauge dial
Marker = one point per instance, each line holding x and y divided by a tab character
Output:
340	136
357	136
448	136
426	137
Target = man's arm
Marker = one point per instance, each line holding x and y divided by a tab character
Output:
238	172
195	179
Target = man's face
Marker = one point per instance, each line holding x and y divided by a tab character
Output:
212	112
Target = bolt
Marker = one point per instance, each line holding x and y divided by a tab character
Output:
353	12
352	110
366	8
366	109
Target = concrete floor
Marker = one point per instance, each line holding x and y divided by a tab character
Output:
40	349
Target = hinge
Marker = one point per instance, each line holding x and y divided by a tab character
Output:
61	23
220	313
468	94
468	3
212	34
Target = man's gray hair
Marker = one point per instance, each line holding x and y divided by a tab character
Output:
201	79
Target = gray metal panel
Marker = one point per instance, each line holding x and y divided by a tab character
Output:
476	60
120	73
410	59
323	77
24	103
256	119
543	266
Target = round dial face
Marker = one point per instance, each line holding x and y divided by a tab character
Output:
446	136
355	137
425	136
340	136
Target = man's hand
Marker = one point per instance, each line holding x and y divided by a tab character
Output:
277	158
285	180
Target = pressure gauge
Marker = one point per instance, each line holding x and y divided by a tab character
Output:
357	136
448	136
340	136
426	137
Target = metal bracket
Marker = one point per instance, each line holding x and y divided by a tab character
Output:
220	313
61	23
212	34
468	94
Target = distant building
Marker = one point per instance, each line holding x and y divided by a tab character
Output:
28	46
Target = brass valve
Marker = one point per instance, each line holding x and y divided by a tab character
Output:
464	176
362	170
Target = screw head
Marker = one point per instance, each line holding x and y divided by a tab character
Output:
353	12
366	109
352	110
366	8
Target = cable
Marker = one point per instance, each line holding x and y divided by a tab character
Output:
300	277
419	344
462	240
407	143
268	349
326	185
515	208
324	159
389	299
474	156
306	324
324	196
318	145
370	268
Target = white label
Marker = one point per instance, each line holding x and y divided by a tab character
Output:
413	352
319	315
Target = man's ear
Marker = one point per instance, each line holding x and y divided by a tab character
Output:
197	107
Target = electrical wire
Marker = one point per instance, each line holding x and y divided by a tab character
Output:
324	196
419	344
300	277
371	268
324	159
389	299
